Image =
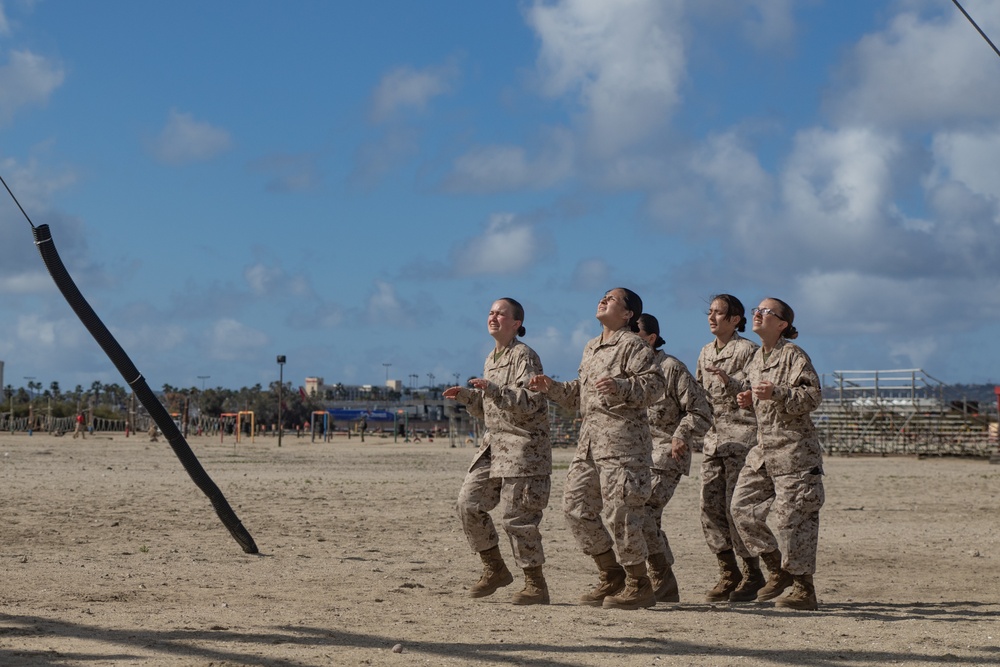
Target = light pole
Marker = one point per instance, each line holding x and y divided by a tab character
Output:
413	381
457	375
387	374
203	378
281	381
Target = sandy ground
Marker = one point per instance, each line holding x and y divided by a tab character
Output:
111	555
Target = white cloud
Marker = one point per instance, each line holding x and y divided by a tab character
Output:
506	247
152	338
837	185
274	280
409	88
624	60
502	168
185	140
385	308
970	157
35	330
923	70
768	23
27	80
230	340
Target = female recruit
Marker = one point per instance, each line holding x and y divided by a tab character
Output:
513	466
682	415
733	433
784	470
609	475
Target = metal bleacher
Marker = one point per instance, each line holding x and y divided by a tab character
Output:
900	412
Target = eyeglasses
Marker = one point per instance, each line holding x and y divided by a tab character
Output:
766	311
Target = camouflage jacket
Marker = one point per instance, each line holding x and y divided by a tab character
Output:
733	431
517	420
614	426
787	441
683	411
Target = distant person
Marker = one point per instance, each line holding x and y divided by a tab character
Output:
513	466
80	429
682	414
784	470
733	433
609	476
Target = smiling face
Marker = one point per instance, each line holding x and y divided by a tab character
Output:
612	311
766	322
501	323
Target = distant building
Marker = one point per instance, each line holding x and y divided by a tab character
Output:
314	386
394	385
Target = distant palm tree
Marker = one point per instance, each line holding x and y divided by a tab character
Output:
95	388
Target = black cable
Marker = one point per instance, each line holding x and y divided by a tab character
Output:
976	26
17	202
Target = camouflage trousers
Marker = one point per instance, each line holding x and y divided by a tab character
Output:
796	499
521	501
615	490
664	484
718	481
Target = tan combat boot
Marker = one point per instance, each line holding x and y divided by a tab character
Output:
536	591
612	579
661	577
638	592
729	577
753	581
803	595
778	579
495	574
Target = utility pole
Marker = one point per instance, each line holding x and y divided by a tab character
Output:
281	381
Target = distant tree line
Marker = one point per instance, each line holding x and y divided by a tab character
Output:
113	402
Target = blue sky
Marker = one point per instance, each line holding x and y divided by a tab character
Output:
353	184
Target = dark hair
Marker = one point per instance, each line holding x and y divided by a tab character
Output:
733	307
518	313
633	303
786	313
650	325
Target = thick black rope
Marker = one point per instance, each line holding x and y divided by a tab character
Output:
117	355
976	26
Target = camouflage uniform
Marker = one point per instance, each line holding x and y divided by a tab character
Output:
784	470
609	475
513	466
733	433
682	412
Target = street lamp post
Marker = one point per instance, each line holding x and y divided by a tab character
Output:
387	374
281	381
203	378
457	375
